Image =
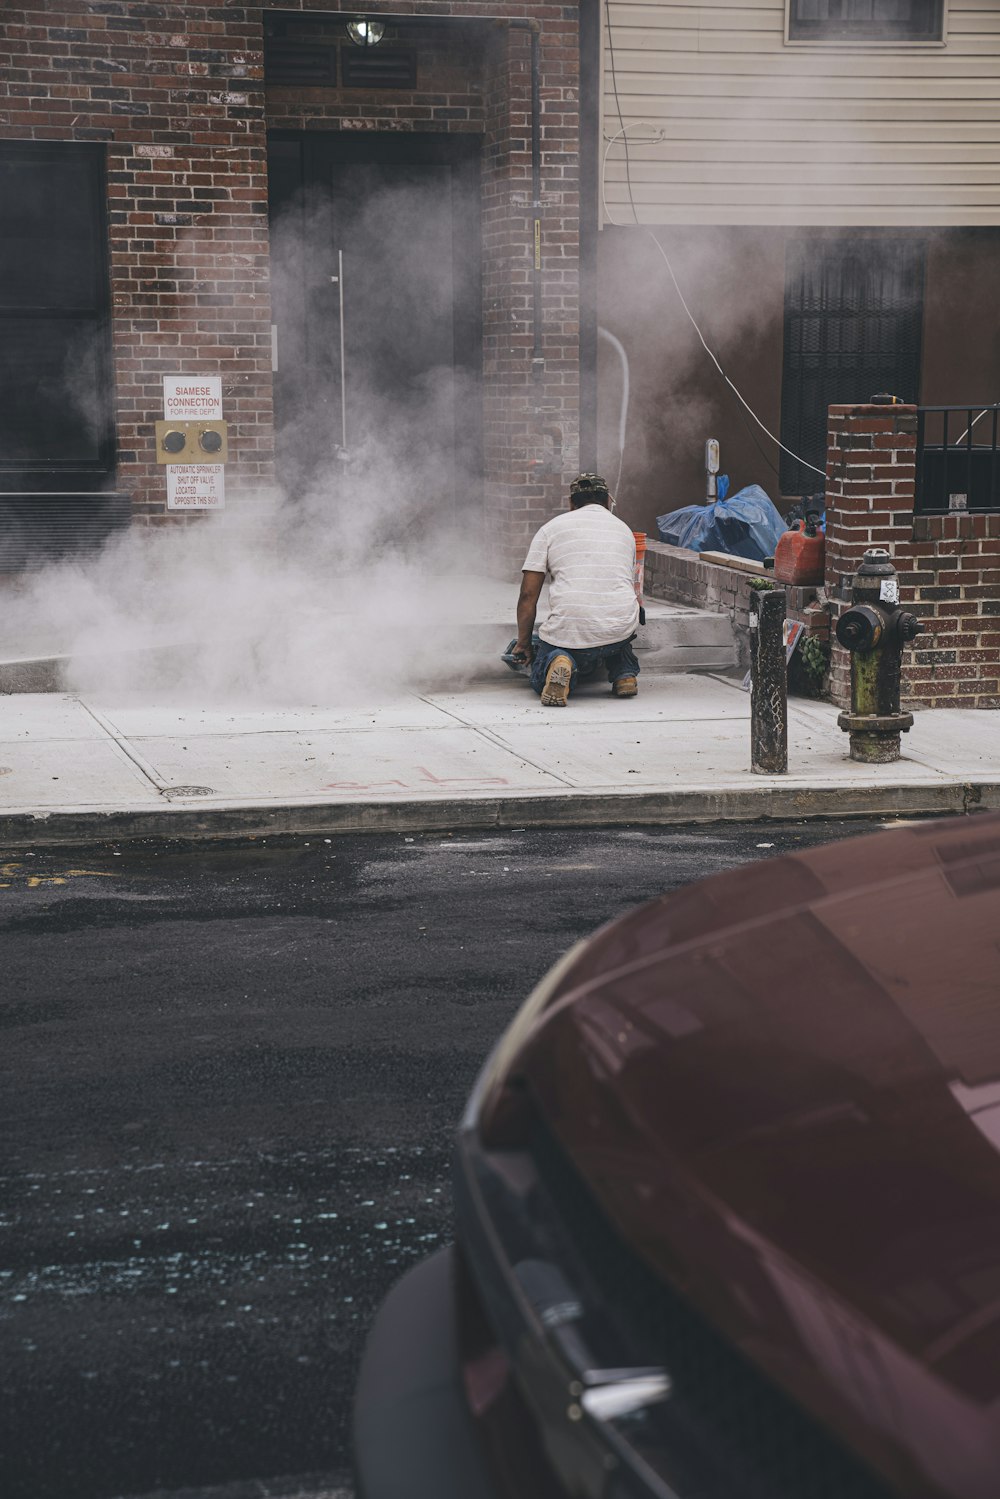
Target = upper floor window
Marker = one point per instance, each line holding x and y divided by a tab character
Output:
865	20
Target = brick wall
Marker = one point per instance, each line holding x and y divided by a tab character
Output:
176	91
685	578
948	565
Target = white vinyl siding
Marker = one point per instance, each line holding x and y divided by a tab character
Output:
756	130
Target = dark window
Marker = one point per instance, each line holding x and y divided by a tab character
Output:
853	312
56	428
866	20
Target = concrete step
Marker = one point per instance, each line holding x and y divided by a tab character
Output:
675	637
679	638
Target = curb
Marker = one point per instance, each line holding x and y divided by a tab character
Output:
42	674
33	674
763	802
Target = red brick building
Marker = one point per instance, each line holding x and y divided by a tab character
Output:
152	156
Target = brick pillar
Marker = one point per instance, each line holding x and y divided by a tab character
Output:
531	423
948	564
870	476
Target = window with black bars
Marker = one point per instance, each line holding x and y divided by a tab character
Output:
56	422
866	20
853	314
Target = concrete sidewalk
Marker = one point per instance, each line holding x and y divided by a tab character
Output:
76	769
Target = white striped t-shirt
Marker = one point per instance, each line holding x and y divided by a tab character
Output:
589	556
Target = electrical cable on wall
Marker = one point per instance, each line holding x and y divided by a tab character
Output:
622	134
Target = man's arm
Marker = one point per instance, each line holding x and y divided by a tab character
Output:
527	604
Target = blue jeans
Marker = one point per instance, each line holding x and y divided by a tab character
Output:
618	660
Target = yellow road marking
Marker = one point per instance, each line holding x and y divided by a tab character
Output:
16	875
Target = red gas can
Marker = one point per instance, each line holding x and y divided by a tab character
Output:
800	556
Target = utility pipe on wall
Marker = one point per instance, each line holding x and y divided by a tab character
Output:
537	357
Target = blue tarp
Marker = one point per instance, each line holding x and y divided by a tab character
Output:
747	525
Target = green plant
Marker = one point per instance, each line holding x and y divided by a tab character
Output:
815	658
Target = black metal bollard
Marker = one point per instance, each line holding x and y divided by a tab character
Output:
768	682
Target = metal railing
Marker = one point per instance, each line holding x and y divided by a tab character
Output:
957	465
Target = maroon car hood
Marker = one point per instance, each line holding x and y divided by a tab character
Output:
784	1086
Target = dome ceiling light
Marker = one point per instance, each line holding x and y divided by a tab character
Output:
365	33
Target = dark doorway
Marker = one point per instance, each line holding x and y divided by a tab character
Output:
853	320
376	291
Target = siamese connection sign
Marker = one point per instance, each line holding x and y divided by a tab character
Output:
196	486
189	398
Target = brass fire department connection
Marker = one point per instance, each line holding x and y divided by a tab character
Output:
192	442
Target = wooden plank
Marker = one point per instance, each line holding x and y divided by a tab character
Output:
979	61
846	133
963	46
661	12
866	109
669	20
720	18
786	215
807	193
647	177
762	90
851	154
627	19
727	559
648	12
985	24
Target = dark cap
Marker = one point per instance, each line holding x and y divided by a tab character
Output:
592	485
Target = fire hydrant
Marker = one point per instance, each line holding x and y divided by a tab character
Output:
875	630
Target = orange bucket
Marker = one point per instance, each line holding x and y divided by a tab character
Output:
640	565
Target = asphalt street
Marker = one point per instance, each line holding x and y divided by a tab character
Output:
229	1076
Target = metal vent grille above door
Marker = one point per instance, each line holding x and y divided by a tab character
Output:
378	67
308	64
853	315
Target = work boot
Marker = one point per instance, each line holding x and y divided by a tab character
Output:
555	693
625	687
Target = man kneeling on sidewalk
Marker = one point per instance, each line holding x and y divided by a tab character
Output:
589	558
